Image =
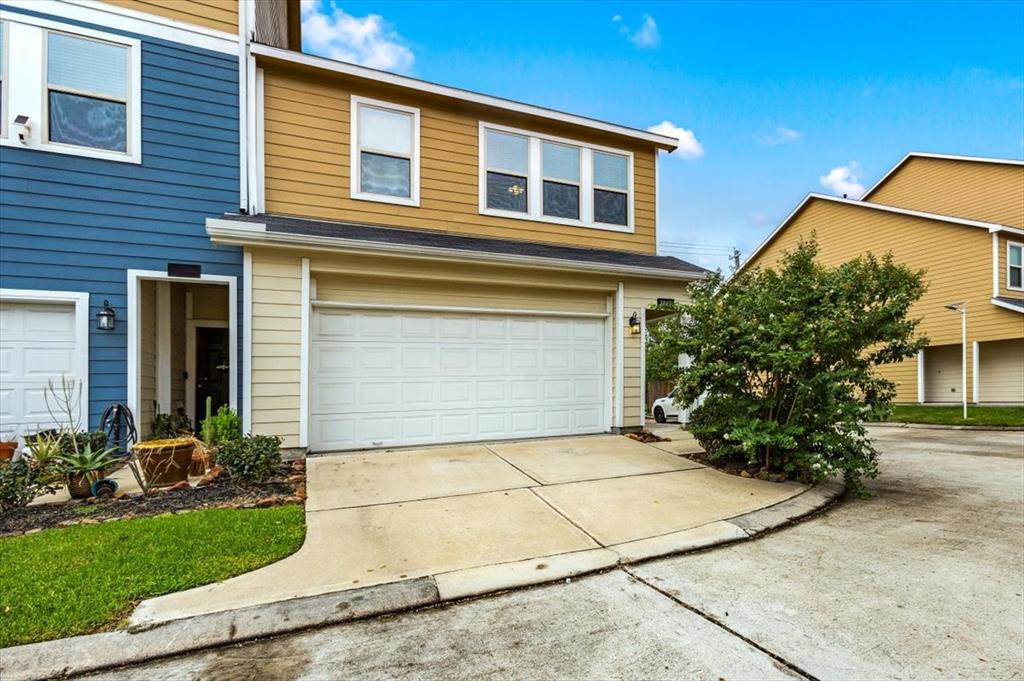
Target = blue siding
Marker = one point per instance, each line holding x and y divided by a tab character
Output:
77	224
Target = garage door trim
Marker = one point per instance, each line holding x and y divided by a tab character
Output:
306	414
80	299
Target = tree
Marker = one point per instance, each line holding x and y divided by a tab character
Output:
786	362
664	338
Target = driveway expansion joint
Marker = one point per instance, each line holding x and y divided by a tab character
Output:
725	627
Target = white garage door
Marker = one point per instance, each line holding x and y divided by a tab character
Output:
37	344
387	378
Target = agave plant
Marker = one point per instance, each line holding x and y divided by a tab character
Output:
88	462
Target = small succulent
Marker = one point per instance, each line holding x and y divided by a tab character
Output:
88	461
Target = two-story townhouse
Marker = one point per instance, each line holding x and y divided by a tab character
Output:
119	136
961	219
426	264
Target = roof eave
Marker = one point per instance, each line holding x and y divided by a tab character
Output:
660	141
250	233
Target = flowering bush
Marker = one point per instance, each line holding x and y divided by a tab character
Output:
786	362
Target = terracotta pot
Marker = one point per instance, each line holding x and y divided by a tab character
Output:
165	462
80	484
7	450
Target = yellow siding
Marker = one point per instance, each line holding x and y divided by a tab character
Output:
1004	275
361	279
1001	365
957	260
991	192
307	162
221	15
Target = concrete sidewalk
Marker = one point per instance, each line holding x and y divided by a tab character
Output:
481	518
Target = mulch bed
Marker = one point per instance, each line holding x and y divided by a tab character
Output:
286	486
647	436
737	468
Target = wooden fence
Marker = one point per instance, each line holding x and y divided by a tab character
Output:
656	390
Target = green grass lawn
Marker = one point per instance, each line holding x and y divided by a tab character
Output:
952	415
80	579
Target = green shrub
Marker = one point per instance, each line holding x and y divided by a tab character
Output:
96	439
21	482
224	426
785	361
250	459
167	426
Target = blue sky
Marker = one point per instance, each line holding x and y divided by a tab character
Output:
781	99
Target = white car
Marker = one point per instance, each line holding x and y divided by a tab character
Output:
666	407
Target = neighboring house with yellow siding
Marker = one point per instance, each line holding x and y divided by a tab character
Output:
960	219
425	264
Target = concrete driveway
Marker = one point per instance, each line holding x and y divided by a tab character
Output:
925	580
484	517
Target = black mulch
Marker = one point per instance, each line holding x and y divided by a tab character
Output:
221	492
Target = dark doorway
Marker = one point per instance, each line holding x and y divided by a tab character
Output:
213	375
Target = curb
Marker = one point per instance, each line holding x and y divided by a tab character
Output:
935	426
147	642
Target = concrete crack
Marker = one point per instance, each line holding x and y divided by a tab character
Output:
722	625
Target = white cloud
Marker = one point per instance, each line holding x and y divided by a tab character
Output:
689	146
844	180
329	31
781	135
645	37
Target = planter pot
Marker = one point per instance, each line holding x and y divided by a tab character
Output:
165	462
203	459
80	484
7	450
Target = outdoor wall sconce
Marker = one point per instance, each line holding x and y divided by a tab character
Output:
634	324
105	317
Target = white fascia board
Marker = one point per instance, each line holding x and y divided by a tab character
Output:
119	18
946	157
258	236
991	226
662	141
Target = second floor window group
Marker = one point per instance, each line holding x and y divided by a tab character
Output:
522	175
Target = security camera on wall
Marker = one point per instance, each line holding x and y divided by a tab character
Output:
24	129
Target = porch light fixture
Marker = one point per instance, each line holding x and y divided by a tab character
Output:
105	317
634	324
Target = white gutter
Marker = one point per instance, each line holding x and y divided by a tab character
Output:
245	233
668	143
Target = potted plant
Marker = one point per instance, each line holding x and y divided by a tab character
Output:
215	430
164	462
86	466
8	445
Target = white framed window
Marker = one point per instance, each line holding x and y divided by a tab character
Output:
385	143
79	90
1014	266
531	176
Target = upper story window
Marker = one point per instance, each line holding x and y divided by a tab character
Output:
540	177
87	92
75	91
1015	266
385	152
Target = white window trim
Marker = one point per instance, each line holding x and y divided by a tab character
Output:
535	181
1009	246
355	147
28	96
81	302
4	61
135	278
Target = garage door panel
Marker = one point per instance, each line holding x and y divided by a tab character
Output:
38	344
450	377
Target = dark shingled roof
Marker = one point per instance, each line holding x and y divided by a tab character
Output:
1016	302
471	244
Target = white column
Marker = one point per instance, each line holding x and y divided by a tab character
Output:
247	342
620	359
920	376
304	358
976	368
643	367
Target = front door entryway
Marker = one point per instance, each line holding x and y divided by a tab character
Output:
213	365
